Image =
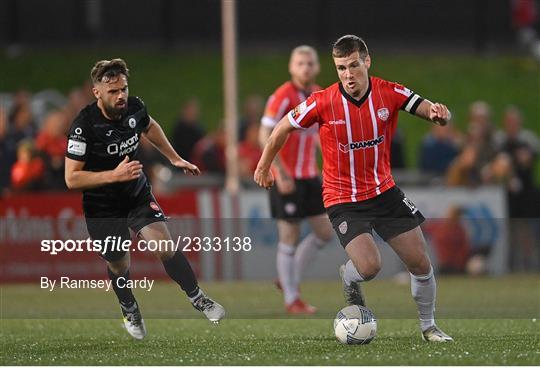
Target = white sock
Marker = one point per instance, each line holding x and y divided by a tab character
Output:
285	269
424	290
305	253
351	274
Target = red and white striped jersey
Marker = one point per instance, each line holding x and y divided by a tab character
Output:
298	154
355	137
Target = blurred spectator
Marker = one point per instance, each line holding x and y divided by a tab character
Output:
27	172
52	142
17	125
251	114
521	147
450	241
439	148
78	98
397	150
209	152
472	166
20	119
187	129
249	152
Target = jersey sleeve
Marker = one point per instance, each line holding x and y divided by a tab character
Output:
79	139
304	115
404	98
276	108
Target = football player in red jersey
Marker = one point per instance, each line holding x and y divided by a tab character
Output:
357	117
298	192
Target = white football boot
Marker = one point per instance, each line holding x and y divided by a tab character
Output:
211	309
435	334
133	321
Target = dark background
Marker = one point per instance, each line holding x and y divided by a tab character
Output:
476	24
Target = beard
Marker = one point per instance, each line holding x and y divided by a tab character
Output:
115	112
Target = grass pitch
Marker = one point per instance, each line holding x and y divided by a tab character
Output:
83	327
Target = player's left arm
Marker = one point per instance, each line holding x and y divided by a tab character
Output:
434	112
157	137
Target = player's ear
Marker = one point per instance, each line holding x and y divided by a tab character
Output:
367	61
95	91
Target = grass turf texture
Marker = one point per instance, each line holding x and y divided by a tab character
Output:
489	318
164	79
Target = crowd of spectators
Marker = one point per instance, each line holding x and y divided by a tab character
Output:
32	146
33	141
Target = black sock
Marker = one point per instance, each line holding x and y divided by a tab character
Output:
179	269
125	295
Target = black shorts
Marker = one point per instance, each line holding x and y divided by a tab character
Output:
114	217
389	214
305	201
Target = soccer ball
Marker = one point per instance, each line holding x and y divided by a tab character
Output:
355	325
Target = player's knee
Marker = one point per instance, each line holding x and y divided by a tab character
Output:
370	270
420	267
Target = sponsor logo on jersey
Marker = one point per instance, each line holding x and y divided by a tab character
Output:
383	113
403	91
345	148
298	110
132	122
125	147
76	148
337	122
343	227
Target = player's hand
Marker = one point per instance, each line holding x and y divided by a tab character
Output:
439	114
285	184
263	178
127	170
187	166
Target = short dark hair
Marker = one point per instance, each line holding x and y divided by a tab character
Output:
348	44
108	69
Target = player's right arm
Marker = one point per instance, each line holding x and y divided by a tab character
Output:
77	178
80	141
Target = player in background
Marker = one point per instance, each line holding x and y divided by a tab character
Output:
101	160
298	192
357	117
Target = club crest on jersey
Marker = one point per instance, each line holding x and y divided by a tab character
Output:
345	148
132	122
343	227
383	113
